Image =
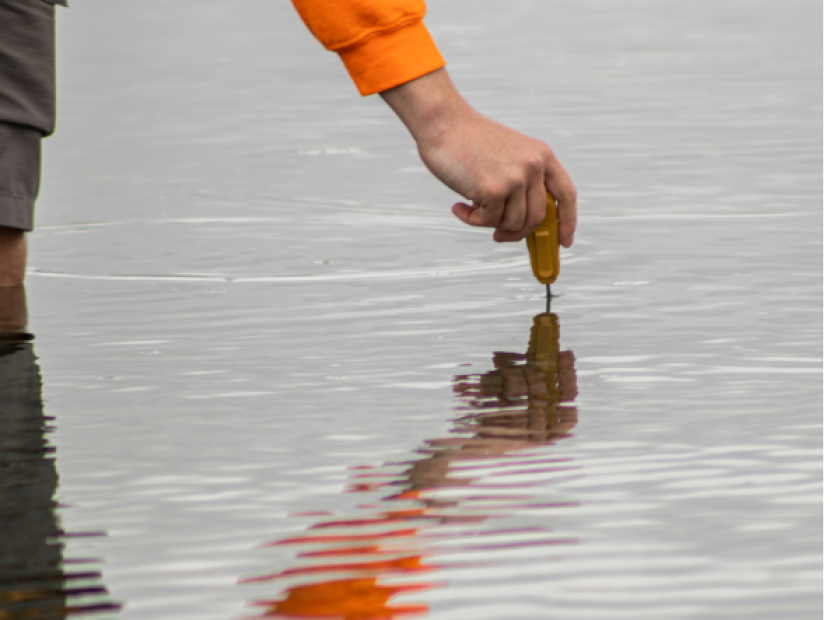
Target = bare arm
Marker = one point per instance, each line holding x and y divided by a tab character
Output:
500	171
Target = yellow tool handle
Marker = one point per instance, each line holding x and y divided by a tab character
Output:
544	247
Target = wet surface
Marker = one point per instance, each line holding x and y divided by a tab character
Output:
35	580
252	307
467	502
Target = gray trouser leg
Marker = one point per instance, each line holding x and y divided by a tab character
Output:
20	174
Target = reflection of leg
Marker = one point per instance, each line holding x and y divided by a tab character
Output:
33	582
31	579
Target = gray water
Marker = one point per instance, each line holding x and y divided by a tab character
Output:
244	286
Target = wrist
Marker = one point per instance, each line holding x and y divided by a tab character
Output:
429	106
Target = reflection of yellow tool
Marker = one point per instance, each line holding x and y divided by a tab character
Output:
544	354
554	396
544	247
544	345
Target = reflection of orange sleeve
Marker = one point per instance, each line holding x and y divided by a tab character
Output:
383	43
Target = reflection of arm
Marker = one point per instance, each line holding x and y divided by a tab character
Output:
383	43
525	401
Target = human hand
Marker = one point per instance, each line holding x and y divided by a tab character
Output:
501	171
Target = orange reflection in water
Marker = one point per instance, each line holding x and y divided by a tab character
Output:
350	599
526	401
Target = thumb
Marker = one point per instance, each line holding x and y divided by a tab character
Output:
469	214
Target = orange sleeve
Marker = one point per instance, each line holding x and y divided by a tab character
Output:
383	43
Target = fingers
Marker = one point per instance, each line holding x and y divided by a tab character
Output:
507	186
533	212
515	212
536	206
561	187
491	209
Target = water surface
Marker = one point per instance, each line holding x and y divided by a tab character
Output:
251	307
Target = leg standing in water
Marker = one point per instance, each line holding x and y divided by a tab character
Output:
27	114
12	256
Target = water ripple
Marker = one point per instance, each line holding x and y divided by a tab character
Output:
421	516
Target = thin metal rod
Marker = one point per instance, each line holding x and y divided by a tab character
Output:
548	297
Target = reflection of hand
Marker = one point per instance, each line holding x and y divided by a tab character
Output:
512	381
504	173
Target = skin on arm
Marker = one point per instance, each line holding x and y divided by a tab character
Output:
503	173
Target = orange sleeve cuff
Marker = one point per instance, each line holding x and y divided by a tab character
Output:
392	58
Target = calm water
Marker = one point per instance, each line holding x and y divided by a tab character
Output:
279	378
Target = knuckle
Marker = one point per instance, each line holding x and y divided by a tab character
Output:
545	152
494	191
517	182
544	149
534	163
